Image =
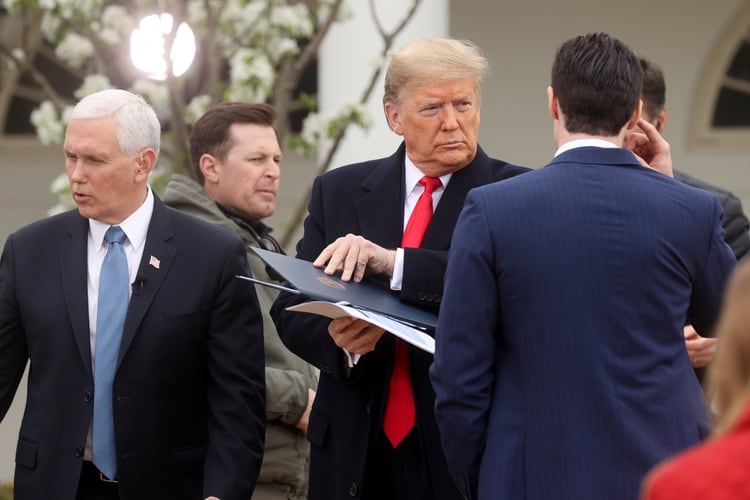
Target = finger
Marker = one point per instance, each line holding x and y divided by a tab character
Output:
321	259
351	262
337	258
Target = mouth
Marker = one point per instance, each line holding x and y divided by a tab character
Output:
80	197
267	192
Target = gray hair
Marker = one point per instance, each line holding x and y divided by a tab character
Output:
137	124
434	59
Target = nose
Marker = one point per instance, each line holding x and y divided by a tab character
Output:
273	170
76	171
450	120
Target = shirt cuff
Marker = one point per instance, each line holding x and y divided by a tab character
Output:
398	270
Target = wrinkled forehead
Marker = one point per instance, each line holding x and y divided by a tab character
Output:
92	135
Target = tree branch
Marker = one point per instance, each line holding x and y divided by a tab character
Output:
387	38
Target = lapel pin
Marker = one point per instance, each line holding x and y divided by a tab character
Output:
154	262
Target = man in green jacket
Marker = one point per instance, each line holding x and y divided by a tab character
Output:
235	155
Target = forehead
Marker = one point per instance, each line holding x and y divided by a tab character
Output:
253	134
446	89
91	135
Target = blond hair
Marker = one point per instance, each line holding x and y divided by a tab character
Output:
728	379
430	60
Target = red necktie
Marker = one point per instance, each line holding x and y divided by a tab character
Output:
399	410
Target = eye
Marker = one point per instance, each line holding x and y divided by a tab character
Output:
464	105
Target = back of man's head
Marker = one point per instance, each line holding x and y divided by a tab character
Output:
654	92
211	133
597	80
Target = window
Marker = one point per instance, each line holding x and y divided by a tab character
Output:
721	116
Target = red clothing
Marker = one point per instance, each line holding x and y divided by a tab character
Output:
715	470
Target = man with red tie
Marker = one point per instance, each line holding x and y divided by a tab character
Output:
372	428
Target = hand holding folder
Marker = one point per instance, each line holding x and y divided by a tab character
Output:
335	298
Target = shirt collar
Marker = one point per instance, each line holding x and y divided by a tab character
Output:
412	175
582	143
135	226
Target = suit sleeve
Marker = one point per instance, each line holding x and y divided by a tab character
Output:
13	350
735	225
710	279
462	373
423	279
236	388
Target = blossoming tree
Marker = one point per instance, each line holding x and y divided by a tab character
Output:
248	50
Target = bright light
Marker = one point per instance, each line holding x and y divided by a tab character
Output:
147	47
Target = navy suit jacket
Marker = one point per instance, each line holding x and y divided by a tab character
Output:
368	199
560	368
188	392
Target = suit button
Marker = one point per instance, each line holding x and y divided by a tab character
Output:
79	451
87	396
353	490
421	295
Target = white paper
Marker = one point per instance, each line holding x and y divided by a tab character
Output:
332	310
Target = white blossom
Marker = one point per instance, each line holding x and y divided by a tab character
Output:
51	26
75	49
314	128
60	184
116	25
253	69
155	93
47	4
11	5
196	14
293	19
91	84
243	20
344	13
49	127
197	106
246	93
281	48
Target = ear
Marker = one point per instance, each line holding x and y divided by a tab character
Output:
660	121
633	121
145	163
552	104
393	115
210	168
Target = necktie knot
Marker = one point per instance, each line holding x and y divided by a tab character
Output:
430	183
114	234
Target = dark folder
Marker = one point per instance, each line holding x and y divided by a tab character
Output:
311	281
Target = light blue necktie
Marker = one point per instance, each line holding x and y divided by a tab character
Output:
110	318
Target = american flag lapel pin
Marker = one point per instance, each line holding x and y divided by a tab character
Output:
154	262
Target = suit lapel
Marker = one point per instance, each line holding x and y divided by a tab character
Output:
74	271
158	255
475	174
380	209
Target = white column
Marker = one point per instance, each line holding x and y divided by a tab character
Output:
348	57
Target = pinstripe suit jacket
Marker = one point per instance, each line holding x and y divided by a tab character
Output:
561	370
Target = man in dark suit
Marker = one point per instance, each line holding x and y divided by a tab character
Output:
186	403
734	221
357	218
560	368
